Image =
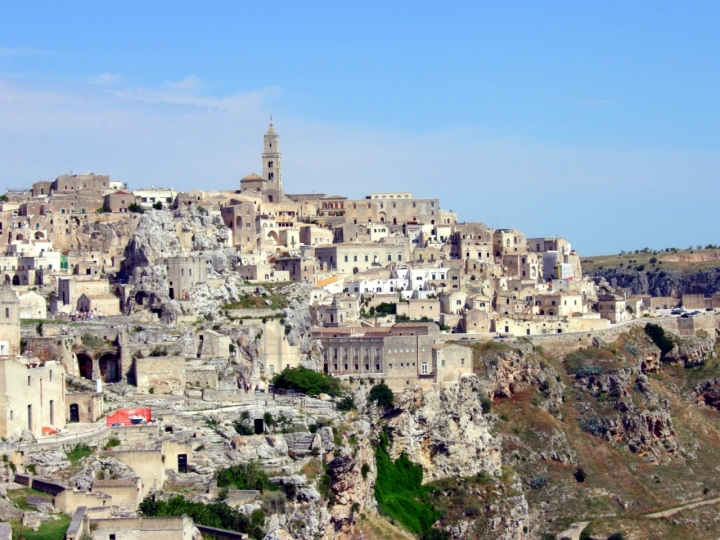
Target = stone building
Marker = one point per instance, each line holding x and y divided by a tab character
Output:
32	392
612	307
147	197
392	208
184	272
402	354
353	258
299	268
119	201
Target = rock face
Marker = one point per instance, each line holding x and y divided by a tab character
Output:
445	431
103	236
155	238
708	392
691	351
663	283
510	371
647	433
351	489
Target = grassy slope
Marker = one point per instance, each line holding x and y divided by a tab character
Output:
620	486
50	530
665	261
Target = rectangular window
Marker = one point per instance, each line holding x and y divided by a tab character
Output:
52	412
29	380
423	368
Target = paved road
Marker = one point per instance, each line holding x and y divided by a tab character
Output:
573	533
666	513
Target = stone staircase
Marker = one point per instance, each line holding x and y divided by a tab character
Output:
299	444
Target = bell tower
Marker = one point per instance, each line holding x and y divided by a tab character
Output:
272	159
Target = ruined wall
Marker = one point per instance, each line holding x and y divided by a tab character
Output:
164	374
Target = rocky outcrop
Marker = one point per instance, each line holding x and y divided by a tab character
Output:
351	487
445	431
103	236
155	238
661	282
708	392
647	433
691	351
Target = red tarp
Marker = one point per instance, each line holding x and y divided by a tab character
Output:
123	416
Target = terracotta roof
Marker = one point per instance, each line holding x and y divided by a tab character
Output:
252	176
413	324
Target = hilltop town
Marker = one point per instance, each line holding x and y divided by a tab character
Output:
164	349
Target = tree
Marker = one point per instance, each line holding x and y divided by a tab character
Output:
307	381
135	207
158	206
382	395
657	334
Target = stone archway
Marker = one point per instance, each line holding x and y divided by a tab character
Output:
16	280
85	366
141	297
109	364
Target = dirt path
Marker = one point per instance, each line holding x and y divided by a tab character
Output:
666	513
573	533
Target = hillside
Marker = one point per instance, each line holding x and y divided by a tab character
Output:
673	260
659	273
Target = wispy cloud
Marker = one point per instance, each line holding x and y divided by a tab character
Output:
187	91
176	134
9	52
105	79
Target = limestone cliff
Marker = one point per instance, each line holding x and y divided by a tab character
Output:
444	431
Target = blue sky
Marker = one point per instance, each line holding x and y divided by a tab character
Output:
597	123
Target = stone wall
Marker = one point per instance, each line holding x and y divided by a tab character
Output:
164	374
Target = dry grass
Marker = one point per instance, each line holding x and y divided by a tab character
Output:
378	527
665	261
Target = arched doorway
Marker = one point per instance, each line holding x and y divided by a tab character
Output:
16	280
85	366
74	412
140	298
109	367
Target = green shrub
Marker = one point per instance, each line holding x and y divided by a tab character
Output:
580	475
79	452
657	334
218	515
112	443
486	404
243	428
134	207
436	534
244	476
345	404
158	206
364	470
307	381
399	491
382	394
257	517
539	481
